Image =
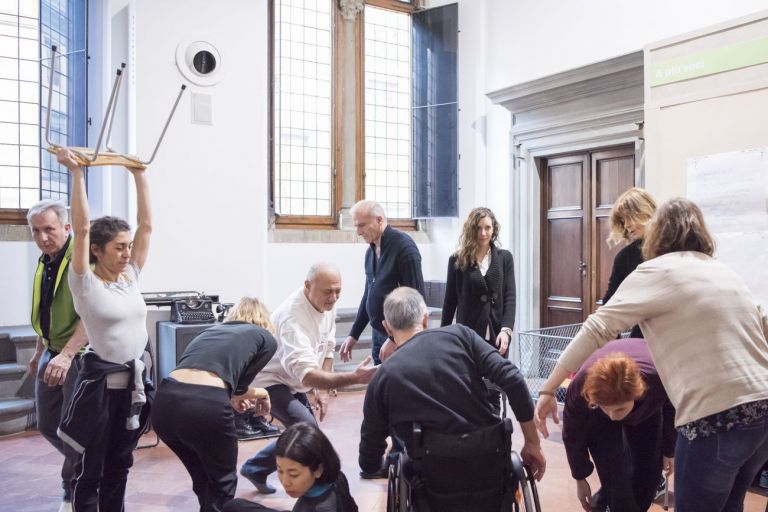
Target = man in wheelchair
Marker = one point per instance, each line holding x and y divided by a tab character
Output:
434	380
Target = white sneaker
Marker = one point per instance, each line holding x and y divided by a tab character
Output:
66	506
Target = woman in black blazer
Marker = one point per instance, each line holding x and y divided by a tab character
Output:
629	215
480	287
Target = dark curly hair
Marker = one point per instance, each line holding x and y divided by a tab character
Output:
104	230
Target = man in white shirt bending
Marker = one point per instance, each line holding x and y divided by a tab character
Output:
305	328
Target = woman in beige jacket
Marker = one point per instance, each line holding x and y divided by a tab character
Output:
707	337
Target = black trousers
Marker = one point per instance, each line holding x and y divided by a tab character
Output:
628	460
101	471
198	424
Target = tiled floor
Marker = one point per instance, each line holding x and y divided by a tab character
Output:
159	483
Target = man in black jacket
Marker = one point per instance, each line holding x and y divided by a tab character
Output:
435	378
392	260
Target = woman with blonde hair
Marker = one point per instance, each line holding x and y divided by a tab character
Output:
707	336
195	406
480	286
618	415
629	216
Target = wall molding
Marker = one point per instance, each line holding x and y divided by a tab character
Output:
597	104
594	106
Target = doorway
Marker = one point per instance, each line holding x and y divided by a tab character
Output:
578	192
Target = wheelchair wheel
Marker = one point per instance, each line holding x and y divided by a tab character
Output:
398	495
393	493
526	497
523	498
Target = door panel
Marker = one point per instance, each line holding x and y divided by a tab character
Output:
564	229
565	236
567	182
578	192
613	172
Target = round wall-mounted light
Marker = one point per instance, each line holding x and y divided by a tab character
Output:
199	61
204	62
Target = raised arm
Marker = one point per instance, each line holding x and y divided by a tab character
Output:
143	218
81	222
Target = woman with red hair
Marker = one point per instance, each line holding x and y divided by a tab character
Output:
617	412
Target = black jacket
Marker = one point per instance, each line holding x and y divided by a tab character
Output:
399	264
625	262
436	379
87	414
478	300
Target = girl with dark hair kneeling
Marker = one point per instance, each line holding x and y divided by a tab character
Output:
309	469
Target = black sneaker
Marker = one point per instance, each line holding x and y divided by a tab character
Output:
379	473
660	490
261	485
260	424
243	428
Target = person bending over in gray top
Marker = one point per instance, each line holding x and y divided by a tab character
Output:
707	336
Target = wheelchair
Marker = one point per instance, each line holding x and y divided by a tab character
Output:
474	472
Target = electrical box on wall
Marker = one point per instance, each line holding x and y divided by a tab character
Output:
202	109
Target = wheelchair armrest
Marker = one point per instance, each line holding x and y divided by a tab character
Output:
418	439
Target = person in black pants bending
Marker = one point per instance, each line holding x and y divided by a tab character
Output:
617	412
194	408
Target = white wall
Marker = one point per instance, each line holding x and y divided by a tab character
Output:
209	183
18	261
527	40
530	39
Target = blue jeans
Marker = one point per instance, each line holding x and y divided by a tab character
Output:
712	473
379	337
289	409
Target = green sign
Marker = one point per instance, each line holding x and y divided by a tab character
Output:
735	56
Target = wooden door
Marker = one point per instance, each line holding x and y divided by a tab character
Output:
613	172
578	192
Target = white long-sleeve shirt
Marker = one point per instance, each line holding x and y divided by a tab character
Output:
704	330
305	339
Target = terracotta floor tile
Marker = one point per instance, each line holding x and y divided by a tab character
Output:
29	467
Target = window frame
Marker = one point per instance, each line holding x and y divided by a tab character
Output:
308	221
409	224
18	216
337	142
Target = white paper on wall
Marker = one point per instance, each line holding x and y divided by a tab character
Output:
732	191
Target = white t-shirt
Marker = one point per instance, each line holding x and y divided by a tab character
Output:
114	315
305	339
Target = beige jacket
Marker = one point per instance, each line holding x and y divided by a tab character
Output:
704	330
